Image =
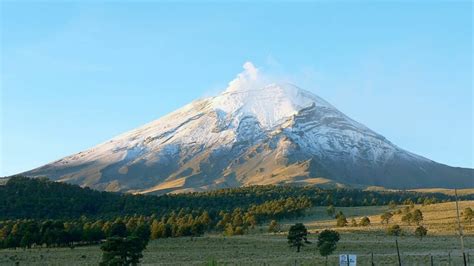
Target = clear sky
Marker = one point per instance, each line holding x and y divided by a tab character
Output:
76	74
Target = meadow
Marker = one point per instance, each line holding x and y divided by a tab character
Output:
261	248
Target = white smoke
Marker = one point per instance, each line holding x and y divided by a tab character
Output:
250	79
255	78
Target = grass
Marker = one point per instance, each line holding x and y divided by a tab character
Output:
261	248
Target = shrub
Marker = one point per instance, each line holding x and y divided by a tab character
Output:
394	230
365	221
421	232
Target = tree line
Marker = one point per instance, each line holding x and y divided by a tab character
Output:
26	233
40	198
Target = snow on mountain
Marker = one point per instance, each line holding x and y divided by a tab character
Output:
256	132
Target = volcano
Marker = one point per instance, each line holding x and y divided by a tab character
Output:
256	132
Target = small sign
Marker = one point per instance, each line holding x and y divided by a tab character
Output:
347	260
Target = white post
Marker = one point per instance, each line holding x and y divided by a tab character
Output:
460	226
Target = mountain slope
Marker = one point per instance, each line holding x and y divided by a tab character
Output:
255	132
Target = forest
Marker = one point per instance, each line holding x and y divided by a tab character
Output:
40	198
47	213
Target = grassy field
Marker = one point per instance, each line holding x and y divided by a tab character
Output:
261	248
439	219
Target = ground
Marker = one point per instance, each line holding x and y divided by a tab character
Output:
261	248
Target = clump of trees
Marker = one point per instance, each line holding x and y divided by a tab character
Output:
57	233
413	217
179	224
327	242
298	236
184	222
364	221
386	217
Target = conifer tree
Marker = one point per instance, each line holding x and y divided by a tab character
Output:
297	236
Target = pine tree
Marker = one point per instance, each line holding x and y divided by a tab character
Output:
142	231
417	216
226	218
229	230
238	230
341	220
118	228
106	228
297	236
205	219
157	229
237	219
122	250
250	220
353	222
327	242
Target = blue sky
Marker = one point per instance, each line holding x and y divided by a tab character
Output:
76	74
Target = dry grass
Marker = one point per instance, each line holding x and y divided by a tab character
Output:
439	219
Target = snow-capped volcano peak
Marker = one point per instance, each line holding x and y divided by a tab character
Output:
269	101
258	131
